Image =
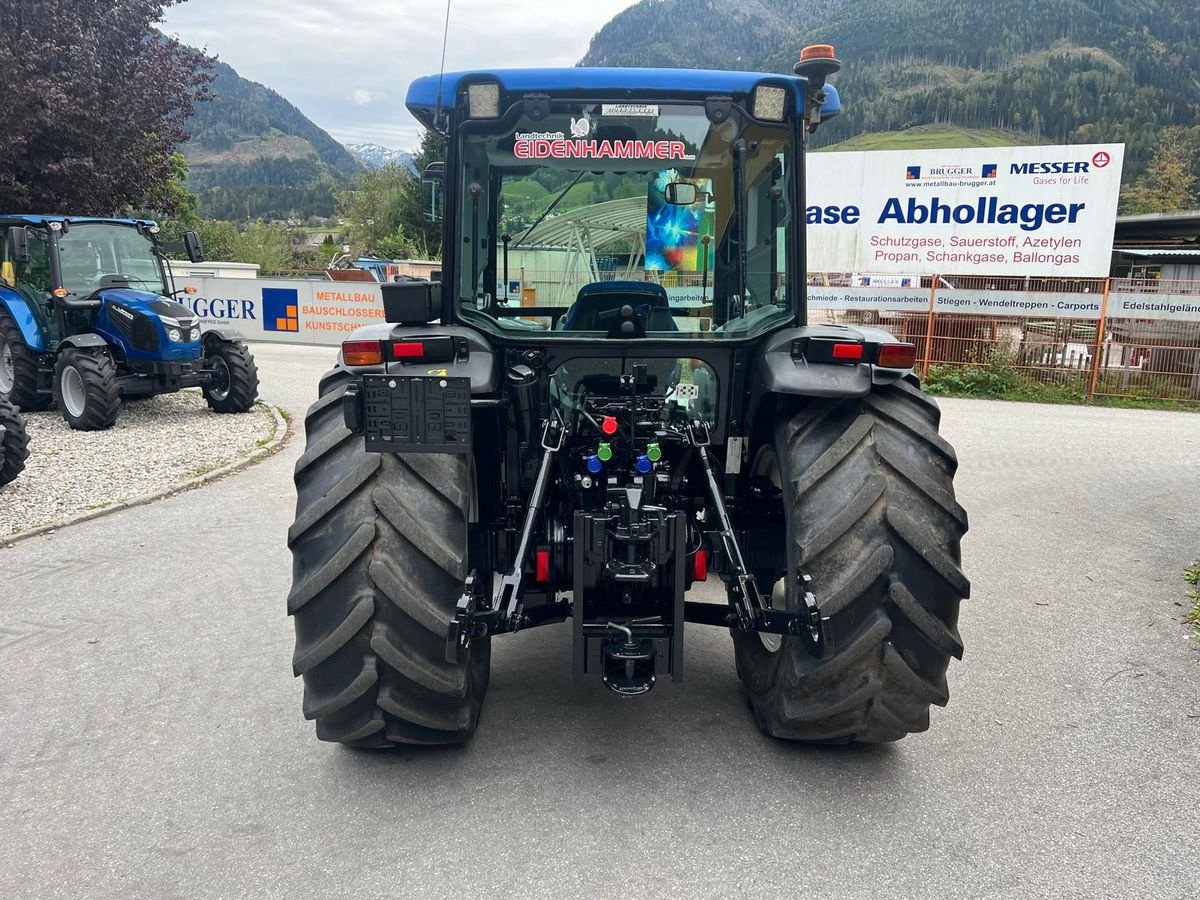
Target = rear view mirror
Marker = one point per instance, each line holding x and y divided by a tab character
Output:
432	195
194	246
682	193
18	244
432	199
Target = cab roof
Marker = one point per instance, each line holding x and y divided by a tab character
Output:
8	219
606	83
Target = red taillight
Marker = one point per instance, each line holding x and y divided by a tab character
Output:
897	356
408	350
362	353
848	351
542	559
700	565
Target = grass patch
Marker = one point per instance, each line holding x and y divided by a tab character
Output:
933	137
103	504
1192	577
999	378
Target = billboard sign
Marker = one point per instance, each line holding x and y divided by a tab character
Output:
298	312
983	211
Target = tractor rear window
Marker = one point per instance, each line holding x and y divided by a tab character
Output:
614	220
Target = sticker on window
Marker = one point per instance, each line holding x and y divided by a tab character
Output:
556	145
631	109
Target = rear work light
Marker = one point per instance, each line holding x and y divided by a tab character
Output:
483	100
770	102
362	353
897	356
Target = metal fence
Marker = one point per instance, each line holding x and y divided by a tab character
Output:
1117	337
1114	337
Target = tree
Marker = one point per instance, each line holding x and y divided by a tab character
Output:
172	199
94	103
382	208
1168	185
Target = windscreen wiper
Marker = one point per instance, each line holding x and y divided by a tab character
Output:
549	209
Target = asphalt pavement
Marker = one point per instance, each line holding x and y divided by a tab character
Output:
152	744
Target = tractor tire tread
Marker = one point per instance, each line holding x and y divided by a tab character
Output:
243	378
14	443
868	483
24	394
99	376
379	559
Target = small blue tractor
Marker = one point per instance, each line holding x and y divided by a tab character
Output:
14	442
87	318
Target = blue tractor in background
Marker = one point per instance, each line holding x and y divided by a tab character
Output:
87	318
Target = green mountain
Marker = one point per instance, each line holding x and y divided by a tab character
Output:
1058	71
254	155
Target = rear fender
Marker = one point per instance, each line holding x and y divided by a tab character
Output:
778	373
478	364
18	307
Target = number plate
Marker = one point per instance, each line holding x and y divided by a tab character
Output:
417	415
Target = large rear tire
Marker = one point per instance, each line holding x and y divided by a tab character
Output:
85	389
868	496
19	368
14	442
379	551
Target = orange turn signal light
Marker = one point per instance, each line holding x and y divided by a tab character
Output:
897	356
817	51
362	353
60	293
191	289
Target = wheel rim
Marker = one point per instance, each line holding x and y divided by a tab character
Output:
8	372
767	466
74	397
221	379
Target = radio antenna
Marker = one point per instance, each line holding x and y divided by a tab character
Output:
437	115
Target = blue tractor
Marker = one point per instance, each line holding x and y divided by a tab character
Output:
88	318
596	451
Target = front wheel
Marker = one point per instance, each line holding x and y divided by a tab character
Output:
234	384
14	442
85	389
867	494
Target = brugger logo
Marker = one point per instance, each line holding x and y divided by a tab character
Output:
956	172
281	309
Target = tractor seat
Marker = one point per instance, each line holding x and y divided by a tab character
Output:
598	306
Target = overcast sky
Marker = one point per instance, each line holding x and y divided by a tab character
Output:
347	63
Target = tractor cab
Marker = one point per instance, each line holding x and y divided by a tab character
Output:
560	187
101	288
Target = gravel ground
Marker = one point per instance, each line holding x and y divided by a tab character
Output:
156	443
